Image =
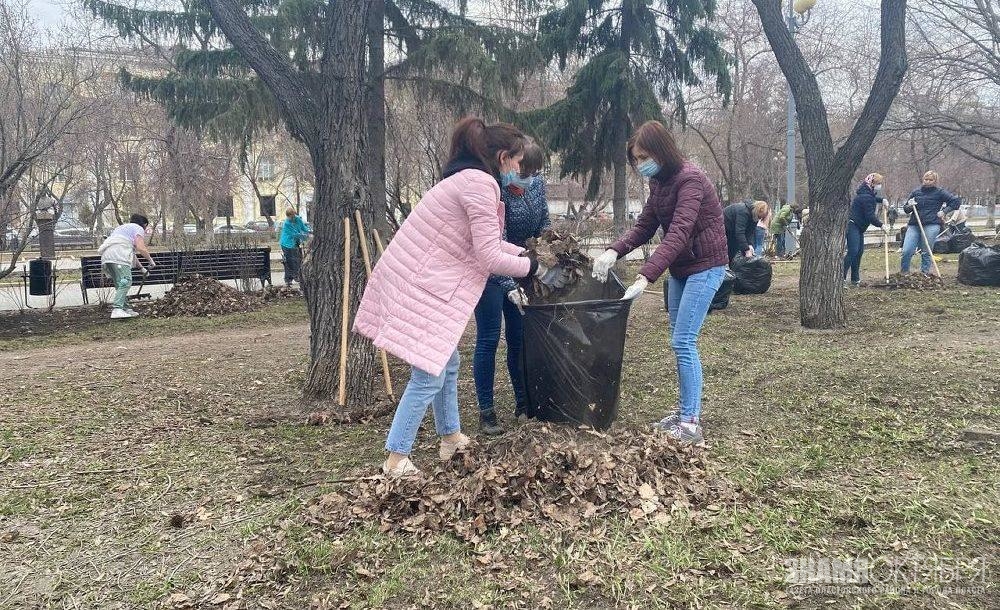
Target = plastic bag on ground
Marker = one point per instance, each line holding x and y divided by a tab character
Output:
721	300
571	360
979	265
753	275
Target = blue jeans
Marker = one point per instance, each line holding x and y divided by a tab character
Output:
855	248
758	241
687	301
779	244
423	389
493	306
914	240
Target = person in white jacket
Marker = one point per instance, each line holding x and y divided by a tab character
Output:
118	258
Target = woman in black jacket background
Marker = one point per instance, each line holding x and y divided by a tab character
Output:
866	200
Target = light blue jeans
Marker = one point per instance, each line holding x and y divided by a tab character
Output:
687	302
440	391
912	241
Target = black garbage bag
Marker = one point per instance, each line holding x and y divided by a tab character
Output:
571	360
721	300
753	275
979	265
962	239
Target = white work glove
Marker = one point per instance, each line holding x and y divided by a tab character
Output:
152	263
941	214
636	288
143	270
518	297
603	264
749	252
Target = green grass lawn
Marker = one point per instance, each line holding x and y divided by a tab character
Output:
841	445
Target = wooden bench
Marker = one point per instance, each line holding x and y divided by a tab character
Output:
224	264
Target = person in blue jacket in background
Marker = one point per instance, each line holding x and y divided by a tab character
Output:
866	200
931	202
294	232
527	215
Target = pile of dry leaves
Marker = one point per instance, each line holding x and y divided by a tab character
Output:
537	474
197	295
912	281
557	249
272	293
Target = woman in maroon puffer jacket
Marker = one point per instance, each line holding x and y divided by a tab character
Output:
682	200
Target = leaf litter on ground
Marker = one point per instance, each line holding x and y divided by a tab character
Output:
538	474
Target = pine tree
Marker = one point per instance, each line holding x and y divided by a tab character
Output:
635	53
241	66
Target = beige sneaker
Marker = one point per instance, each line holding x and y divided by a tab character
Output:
404	468
450	448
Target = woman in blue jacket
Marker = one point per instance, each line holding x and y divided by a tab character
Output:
867	198
931	202
527	215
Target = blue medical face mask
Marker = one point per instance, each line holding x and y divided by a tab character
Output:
508	178
522	183
649	168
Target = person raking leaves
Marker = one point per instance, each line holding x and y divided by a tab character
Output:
118	258
683	202
423	290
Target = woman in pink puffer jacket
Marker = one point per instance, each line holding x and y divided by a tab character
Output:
425	287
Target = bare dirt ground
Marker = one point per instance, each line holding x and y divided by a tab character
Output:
167	464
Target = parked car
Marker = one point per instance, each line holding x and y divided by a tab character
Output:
67	238
259	226
232	230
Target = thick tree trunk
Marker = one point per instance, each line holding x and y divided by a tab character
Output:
342	186
821	276
376	115
322	284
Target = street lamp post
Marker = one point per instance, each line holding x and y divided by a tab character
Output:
794	22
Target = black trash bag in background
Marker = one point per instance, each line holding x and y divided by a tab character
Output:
753	275
571	360
721	300
979	265
961	240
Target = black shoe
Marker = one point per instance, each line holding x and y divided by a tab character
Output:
488	423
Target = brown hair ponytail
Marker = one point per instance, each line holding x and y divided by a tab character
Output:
471	137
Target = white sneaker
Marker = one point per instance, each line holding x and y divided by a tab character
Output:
450	448
404	468
118	314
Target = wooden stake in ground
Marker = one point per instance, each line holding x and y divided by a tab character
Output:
885	239
342	391
368	270
378	242
930	251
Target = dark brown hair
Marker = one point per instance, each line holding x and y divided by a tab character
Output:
473	138
533	159
654	138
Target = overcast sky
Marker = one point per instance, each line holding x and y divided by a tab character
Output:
47	12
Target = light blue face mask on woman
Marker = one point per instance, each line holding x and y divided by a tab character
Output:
649	168
522	183
508	178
